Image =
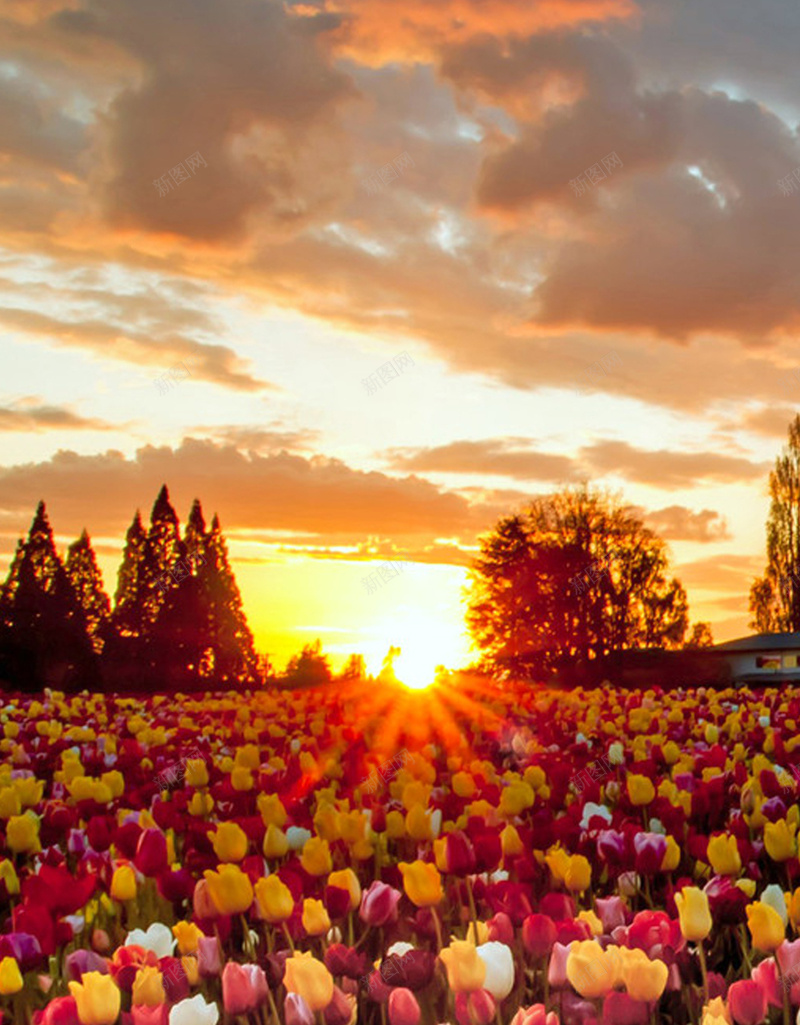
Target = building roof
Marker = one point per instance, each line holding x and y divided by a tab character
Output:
762	642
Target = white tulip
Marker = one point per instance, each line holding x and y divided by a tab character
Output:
590	810
194	1011
399	948
616	753
773	895
499	968
297	837
158	938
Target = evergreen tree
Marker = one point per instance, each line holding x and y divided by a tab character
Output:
87	584
235	657
163	550
180	644
195	537
127	614
44	641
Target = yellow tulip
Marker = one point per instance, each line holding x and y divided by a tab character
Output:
463	784
315	917
592	921
558	862
201	804
723	855
274	899
579	874
766	926
11	980
466	970
395	824
10	803
276	843
123	883
346	879
310	979
97	998
8	875
780	840
22	834
510	841
242	778
590	969
640	789
187	934
672	855
694	913
422	883
316	857
230	890
230	842
644	979
192	969
148	987
272	811
196	772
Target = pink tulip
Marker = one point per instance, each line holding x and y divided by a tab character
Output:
379	904
557	969
208	957
238	993
296	1011
611	911
403	1007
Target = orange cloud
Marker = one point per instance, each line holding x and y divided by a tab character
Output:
399	30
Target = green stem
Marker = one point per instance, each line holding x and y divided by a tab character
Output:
704	970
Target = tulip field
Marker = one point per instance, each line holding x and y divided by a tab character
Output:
466	854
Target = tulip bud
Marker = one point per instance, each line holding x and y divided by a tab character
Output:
475	1008
296	1011
403	1007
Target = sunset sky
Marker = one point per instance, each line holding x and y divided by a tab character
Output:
370	178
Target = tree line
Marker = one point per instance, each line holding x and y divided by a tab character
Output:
176	623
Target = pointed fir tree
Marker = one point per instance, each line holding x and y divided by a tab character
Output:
195	537
45	641
87	584
159	571
127	616
235	659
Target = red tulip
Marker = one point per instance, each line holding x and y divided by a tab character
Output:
620	1009
747	1002
61	1011
538	935
476	1007
151	853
